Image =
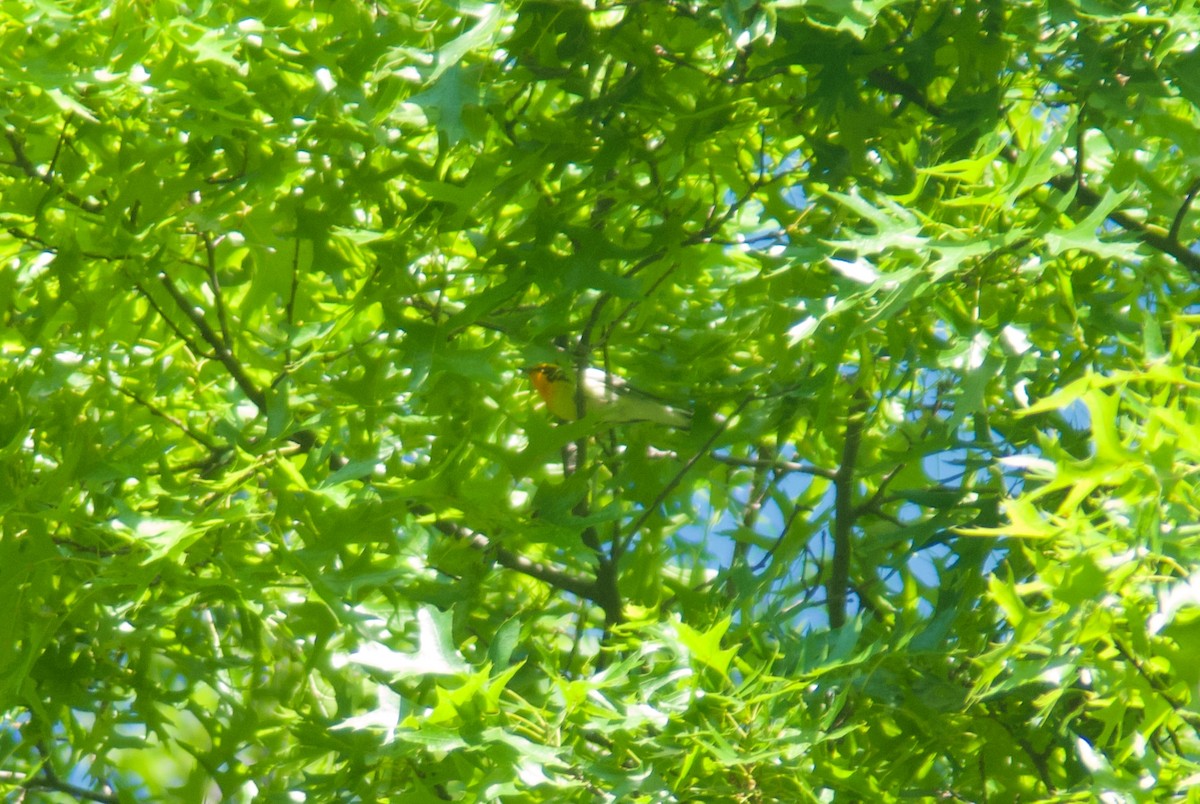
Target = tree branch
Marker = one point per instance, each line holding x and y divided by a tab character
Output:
50	780
21	160
1156	684
872	504
1153	236
787	526
210	267
198	437
290	307
220	348
188	341
53	783
558	578
783	466
843	518
652	508
764	479
1177	224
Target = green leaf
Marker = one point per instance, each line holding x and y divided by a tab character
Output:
436	654
447	100
705	646
70	105
483	34
504	642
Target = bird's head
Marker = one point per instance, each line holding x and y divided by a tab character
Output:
544	376
543	373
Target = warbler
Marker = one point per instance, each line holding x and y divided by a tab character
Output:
605	396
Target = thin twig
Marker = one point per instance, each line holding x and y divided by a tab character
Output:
62	138
871	504
52	781
1158	686
784	466
764	478
1154	236
188	341
585	334
210	267
295	283
198	437
1080	131
59	786
652	508
38	242
1177	224
704	235
21	160
787	526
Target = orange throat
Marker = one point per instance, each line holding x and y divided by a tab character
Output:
543	385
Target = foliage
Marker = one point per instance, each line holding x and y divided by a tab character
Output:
281	519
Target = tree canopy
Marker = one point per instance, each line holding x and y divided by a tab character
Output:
282	519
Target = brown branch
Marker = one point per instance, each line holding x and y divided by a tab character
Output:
21	160
872	504
704	234
574	457
1156	684
62	139
897	86
1036	758
554	576
1080	131
220	348
764	478
787	526
607	593
198	437
838	585
1153	236
56	785
38	242
779	466
585	334
633	305
50	780
188	341
290	307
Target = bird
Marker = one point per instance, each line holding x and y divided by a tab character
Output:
605	396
